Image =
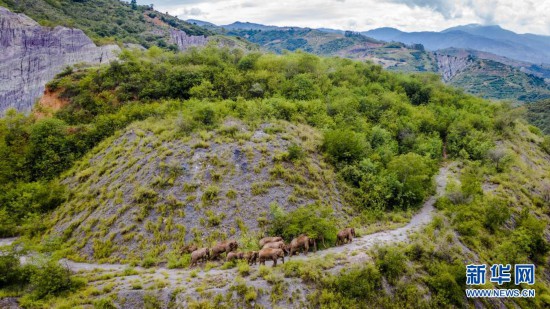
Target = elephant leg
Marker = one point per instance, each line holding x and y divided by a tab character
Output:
274	261
283	258
306	248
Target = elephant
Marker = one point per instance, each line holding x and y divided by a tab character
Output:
266	240
224	246
234	256
251	257
188	249
271	254
276	245
344	236
198	255
302	241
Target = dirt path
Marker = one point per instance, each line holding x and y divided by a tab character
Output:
392	236
220	281
362	243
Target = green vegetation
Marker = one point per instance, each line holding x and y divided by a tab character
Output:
358	144
494	80
385	163
312	220
538	114
107	21
41	281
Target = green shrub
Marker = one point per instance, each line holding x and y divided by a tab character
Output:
359	283
210	193
145	195
243	268
10	270
295	152
104	303
345	146
497	213
316	221
178	261
51	279
391	263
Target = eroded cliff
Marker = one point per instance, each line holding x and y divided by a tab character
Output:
31	55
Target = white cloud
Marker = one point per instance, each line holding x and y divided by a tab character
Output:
409	15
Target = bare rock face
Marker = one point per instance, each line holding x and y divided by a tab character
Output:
449	66
185	41
31	55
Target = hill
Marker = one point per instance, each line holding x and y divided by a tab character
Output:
489	78
171	190
163	149
538	113
480	73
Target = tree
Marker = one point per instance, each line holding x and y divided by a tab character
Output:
50	150
499	157
134	4
345	146
414	175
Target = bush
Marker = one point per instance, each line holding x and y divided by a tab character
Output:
104	303
414	175
497	213
10	270
51	279
359	283
295	152
316	221
345	146
391	263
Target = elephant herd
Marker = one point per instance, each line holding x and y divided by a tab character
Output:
273	248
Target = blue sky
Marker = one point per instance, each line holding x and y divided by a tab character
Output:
409	15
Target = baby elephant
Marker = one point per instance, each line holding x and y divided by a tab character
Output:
251	257
277	245
188	249
271	254
266	240
234	256
201	254
344	236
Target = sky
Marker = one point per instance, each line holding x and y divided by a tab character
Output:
521	16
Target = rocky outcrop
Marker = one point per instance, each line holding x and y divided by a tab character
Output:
185	41
451	65
31	55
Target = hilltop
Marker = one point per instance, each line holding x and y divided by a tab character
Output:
477	72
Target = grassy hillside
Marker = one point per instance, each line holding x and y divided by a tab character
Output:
154	184
106	21
538	113
196	147
495	80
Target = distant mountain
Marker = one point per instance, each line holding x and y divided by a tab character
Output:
250	26
492	39
200	23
